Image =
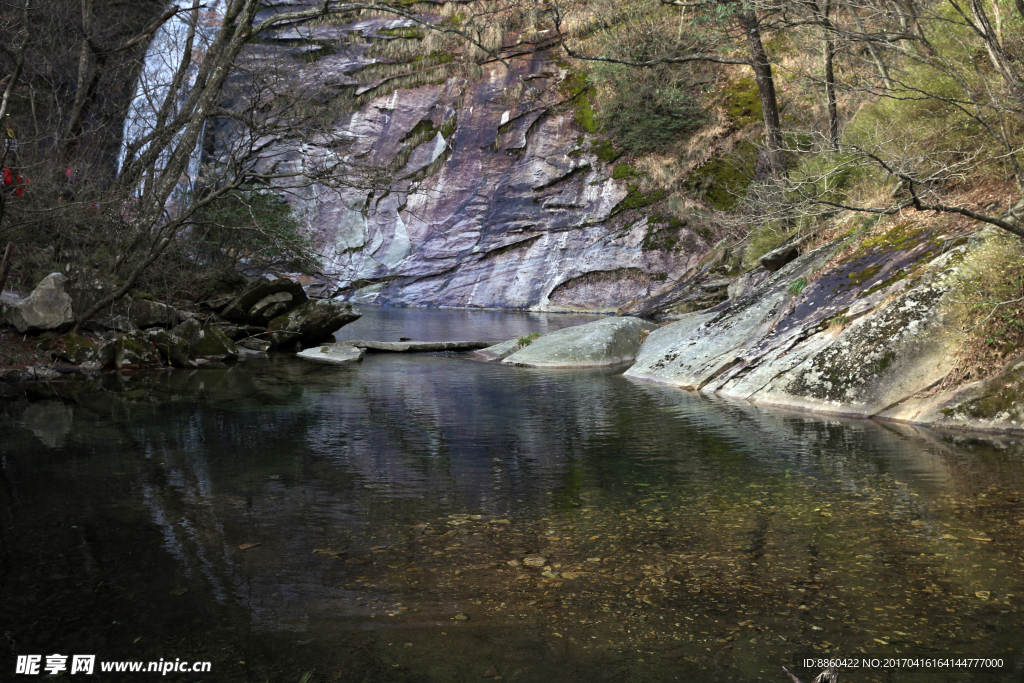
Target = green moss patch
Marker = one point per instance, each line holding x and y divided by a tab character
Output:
663	233
580	92
862	276
637	199
723	179
624	171
902	236
605	151
743	102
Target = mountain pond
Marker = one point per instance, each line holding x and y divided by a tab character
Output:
434	518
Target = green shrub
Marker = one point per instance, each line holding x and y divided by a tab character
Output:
528	339
647	112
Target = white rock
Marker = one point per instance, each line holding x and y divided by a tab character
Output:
332	354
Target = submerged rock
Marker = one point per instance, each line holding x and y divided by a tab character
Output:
48	307
332	354
315	320
413	347
602	343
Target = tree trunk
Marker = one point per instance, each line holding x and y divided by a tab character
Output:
830	77
5	266
83	85
766	88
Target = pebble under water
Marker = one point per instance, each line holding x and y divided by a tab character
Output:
433	518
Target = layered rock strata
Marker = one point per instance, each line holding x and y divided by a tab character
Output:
496	198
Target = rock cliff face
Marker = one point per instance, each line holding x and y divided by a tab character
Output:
496	199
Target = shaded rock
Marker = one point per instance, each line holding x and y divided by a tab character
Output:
716	285
281	339
206	342
48	307
315	320
414	347
133	350
79	350
746	282
255	344
245	353
9	298
41	373
332	354
602	343
497	352
238	332
994	404
776	258
173	349
258	290
217	304
271	306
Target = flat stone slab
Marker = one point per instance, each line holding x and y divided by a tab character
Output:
600	344
416	347
332	354
497	352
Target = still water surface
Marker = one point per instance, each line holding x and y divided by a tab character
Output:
379	522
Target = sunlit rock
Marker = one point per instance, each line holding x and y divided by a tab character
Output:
602	343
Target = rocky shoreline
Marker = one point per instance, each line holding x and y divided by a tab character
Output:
267	314
860	330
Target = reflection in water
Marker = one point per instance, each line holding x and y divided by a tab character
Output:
297	517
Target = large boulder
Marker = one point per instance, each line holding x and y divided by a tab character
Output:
259	301
600	344
172	348
315	320
206	341
79	350
133	350
48	307
332	354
